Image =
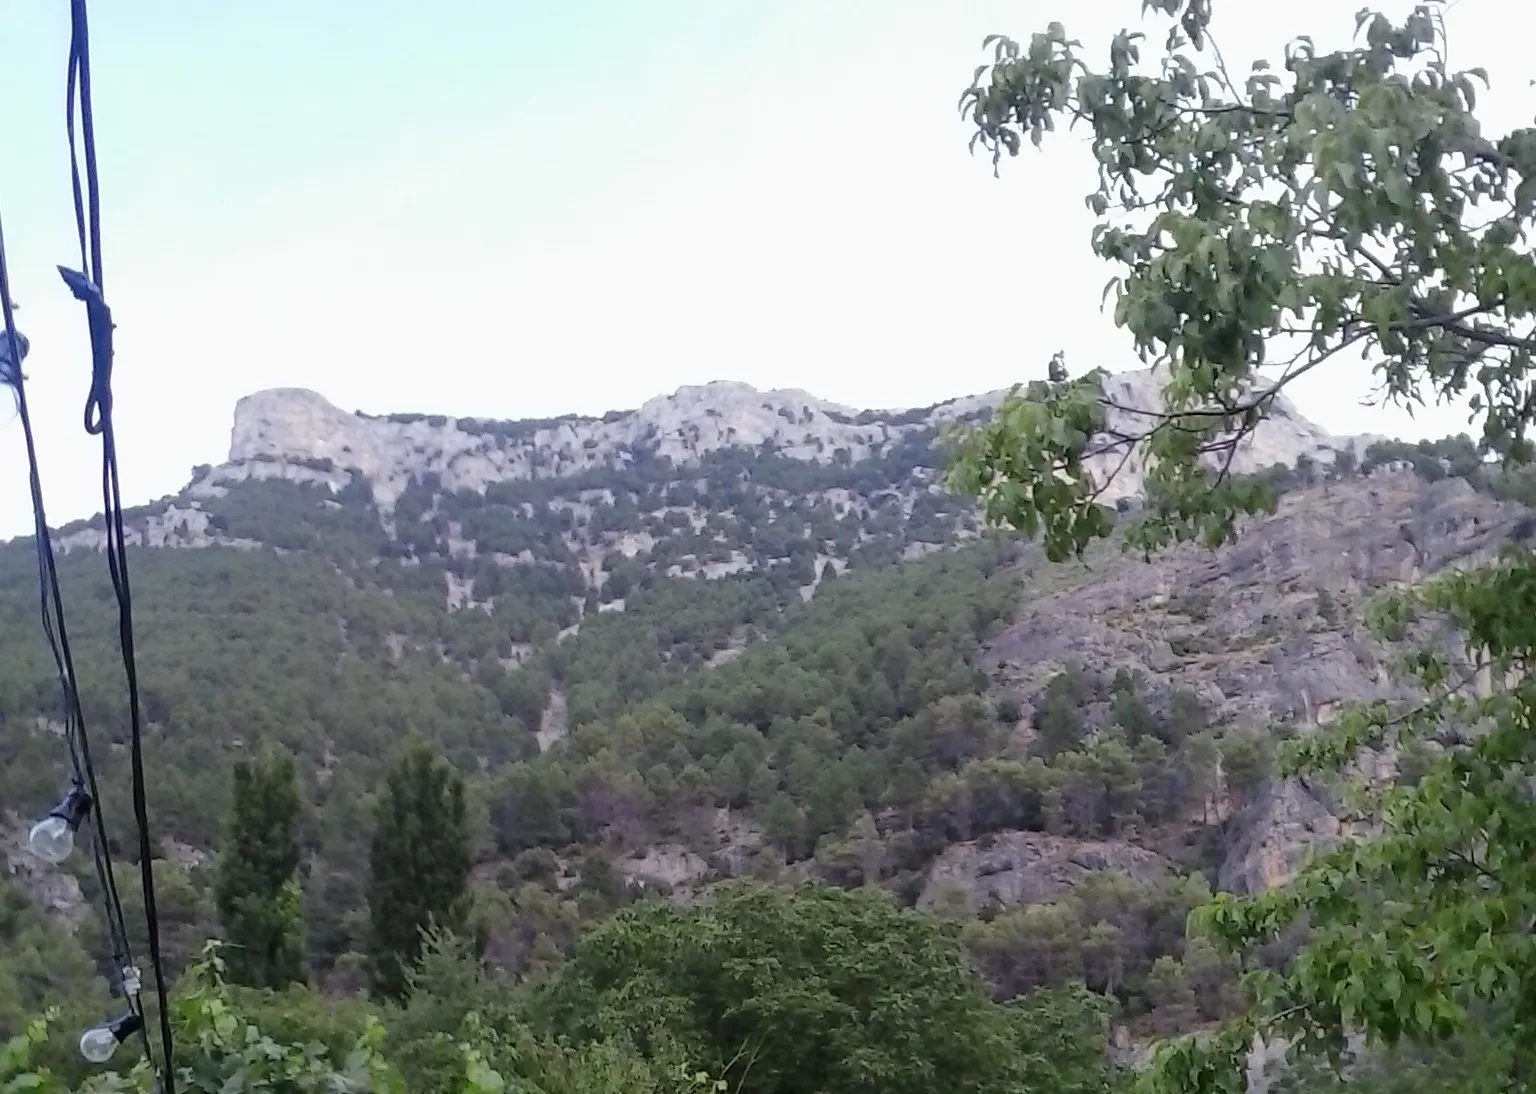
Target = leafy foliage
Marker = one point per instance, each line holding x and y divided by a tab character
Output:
1322	208
802	990
220	1051
1325	210
40	966
465	1033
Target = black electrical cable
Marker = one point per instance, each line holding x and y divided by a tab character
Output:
87	287
57	633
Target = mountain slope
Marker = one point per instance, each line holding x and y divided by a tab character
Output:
732	632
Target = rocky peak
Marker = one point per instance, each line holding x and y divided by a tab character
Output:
294	422
1284	437
296	434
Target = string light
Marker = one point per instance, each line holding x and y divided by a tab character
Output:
53	838
87	286
98	1043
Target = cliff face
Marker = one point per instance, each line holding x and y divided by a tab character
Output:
296	434
1284	437
1264	632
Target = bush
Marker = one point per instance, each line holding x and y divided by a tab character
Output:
295	1043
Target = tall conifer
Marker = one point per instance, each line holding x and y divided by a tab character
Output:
256	884
420	864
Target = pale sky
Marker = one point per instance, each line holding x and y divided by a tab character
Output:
505	209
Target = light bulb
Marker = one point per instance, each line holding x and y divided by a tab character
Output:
98	1043
53	837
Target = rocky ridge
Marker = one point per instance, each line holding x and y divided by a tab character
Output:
296	433
297	436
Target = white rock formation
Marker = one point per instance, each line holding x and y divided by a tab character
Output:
296	434
291	433
1282	438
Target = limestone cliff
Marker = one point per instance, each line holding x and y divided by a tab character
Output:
297	434
1264	631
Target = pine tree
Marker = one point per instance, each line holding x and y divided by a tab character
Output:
256	885
420	864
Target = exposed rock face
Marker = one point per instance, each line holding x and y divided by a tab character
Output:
293	423
294	435
295	427
1255	628
1028	867
174	525
555	725
50	888
1258	630
297	434
1287	823
669	866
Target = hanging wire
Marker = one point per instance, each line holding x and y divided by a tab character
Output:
86	285
123	978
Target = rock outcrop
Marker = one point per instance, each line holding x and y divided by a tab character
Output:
1260	631
294	433
1028	867
298	434
50	888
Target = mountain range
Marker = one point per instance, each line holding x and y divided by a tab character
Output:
295	434
739	632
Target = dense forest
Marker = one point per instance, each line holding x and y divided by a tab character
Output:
704	777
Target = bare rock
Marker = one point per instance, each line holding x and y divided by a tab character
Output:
1286	824
296	434
1284	437
668	865
1027	867
50	888
555	722
1260	631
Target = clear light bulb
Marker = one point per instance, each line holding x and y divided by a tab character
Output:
98	1044
51	839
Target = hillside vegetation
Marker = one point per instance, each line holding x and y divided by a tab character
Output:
712	728
581	756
